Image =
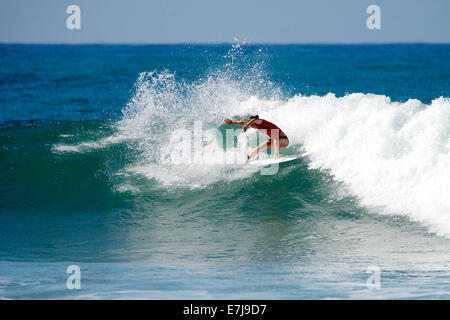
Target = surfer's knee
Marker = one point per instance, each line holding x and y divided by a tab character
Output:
284	142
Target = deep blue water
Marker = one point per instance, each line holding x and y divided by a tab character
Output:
60	82
81	183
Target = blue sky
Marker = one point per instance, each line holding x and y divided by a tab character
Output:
214	21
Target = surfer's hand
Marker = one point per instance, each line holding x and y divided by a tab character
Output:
228	121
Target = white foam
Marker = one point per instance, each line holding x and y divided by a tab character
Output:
92	145
127	188
391	155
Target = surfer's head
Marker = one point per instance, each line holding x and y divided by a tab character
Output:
254	117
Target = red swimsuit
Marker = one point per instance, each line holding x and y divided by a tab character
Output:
266	127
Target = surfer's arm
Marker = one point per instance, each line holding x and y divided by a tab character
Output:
248	124
238	122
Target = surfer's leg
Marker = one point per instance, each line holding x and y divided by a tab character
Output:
276	144
263	146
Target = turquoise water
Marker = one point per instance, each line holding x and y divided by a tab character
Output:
87	134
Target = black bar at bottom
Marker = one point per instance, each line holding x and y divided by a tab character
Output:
220	309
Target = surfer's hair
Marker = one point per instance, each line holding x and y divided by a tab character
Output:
254	117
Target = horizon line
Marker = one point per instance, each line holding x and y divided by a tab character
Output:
223	43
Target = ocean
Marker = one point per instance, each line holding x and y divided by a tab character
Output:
88	178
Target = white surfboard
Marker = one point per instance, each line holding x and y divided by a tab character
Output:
268	162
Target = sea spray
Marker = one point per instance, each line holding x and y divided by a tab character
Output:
162	114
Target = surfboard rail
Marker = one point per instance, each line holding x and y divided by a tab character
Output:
267	162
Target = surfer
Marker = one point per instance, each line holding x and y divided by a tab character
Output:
277	138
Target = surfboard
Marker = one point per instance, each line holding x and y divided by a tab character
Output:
268	162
